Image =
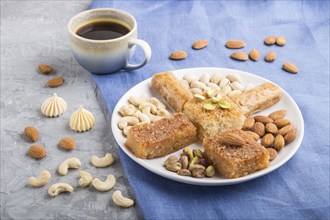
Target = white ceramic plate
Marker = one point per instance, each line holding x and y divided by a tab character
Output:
156	165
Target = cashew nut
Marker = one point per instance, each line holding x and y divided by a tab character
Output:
136	113
128	120
197	84
151	116
105	161
126	130
163	112
143	118
119	200
205	78
85	179
106	185
41	180
138	100
216	78
153	108
157	103
72	162
127	110
58	188
224	82
213	86
189	78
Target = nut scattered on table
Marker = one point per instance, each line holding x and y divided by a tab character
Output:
178	55
290	67
235	44
200	44
67	143
270	40
271	56
121	201
55	82
37	151
58	188
241	56
254	55
280	41
42	179
45	68
32	133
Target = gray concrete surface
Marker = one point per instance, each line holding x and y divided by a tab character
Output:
34	32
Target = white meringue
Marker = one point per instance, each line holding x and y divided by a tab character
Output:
54	106
81	120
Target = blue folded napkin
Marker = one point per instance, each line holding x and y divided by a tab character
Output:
297	190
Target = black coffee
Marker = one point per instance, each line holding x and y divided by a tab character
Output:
102	30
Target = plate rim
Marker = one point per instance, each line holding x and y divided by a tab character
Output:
196	181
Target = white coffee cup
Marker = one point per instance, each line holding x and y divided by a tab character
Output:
106	56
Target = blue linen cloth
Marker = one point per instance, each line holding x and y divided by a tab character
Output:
297	190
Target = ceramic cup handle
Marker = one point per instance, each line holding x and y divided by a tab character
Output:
147	54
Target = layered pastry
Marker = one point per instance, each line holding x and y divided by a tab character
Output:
259	98
162	137
235	154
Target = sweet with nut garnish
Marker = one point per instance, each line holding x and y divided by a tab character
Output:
235	154
211	121
161	137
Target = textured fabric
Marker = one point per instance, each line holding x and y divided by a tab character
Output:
297	190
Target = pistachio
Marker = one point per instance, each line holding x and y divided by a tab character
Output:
208	106
224	104
198	173
210	92
210	172
196	166
204	162
198	153
199	97
171	160
184	172
184	162
188	152
193	161
173	166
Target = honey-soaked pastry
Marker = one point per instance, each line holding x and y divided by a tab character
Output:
161	137
236	157
211	122
170	87
259	98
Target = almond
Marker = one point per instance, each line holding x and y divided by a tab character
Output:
290	67
239	56
37	151
271	128
178	55
279	142
277	114
272	153
254	55
67	143
253	135
233	139
45	69
280	123
32	133
283	131
280	41
259	128
200	44
235	44
248	123
290	136
55	82
263	119
270	57
270	40
267	140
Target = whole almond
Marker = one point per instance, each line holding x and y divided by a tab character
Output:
233	139
45	69
280	41
290	136
263	119
270	40
235	44
67	143
239	56
55	82
178	55
277	114
267	140
248	123
37	151
279	142
32	133
272	153
254	55
283	131
253	135
200	44
270	57
259	128
280	123
271	128
290	67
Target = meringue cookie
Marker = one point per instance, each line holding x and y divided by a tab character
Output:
54	106
81	120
